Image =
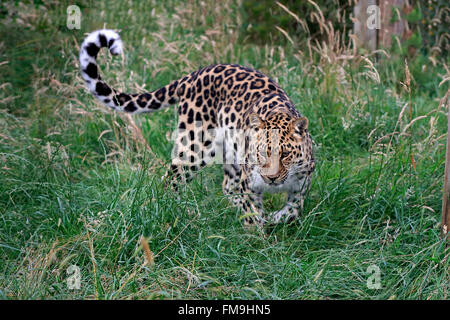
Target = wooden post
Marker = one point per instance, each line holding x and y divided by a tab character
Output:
365	37
381	37
445	200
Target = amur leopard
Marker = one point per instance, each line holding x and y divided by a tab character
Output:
239	112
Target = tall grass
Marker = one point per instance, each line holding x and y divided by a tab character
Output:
81	185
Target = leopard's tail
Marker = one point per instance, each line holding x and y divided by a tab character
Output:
131	103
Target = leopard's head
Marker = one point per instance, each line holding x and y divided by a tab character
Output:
280	147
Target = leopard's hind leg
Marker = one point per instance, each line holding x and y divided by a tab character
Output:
193	146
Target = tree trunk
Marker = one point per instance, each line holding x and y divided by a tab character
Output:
392	23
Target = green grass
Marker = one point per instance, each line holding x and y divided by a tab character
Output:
78	186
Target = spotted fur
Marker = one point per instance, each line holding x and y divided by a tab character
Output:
215	105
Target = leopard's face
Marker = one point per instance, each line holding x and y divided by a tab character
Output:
282	149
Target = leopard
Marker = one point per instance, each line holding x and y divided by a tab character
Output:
228	114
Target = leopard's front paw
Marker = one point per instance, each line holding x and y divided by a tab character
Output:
286	215
253	219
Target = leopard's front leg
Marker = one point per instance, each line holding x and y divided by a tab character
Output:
295	201
290	211
250	203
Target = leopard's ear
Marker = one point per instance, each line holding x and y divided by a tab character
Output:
300	124
255	121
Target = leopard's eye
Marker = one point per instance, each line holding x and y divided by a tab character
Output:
285	154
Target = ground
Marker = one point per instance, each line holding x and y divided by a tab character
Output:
80	185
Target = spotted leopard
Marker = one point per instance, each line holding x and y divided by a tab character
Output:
239	112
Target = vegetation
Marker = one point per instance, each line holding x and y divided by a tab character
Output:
80	185
262	17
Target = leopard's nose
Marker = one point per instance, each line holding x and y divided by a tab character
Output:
270	179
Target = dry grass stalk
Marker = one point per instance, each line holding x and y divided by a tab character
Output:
91	250
149	260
